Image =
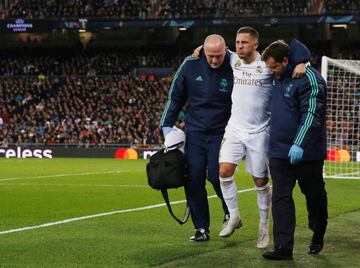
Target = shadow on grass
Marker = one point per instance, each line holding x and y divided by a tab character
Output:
342	243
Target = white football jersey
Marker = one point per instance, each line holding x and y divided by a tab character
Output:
250	112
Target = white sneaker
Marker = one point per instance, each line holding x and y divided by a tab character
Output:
230	227
226	220
263	237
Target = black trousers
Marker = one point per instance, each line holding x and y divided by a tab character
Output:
202	156
312	185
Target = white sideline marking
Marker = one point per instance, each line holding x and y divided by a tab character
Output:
63	175
342	178
102	215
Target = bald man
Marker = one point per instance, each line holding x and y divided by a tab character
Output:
203	85
215	50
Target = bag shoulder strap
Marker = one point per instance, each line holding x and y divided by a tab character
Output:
186	216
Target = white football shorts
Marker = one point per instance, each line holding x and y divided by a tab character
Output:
253	148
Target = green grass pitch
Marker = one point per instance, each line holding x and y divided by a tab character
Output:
34	192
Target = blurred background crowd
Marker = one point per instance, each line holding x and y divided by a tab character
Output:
97	96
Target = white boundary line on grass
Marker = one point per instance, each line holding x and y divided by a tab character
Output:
62	175
102	215
346	178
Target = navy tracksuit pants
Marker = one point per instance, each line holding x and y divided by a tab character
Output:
202	156
310	179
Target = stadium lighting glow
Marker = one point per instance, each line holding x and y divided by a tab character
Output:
82	30
182	29
344	26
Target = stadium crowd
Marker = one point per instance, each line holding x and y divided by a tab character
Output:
133	9
94	99
90	99
156	9
174	9
341	7
114	63
90	111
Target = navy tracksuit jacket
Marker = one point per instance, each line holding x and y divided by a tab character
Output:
206	95
298	116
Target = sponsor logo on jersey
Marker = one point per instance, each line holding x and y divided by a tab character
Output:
248	82
199	78
223	85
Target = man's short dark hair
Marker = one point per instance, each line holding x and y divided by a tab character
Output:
249	30
277	50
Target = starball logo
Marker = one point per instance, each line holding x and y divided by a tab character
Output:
18	152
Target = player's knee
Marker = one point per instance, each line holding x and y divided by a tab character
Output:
227	170
260	182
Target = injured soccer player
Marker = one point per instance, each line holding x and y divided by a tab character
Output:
247	132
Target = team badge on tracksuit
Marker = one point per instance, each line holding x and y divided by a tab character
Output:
223	85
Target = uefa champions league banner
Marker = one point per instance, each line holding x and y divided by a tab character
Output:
21	25
62	152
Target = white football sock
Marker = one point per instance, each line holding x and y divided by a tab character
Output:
229	191
264	201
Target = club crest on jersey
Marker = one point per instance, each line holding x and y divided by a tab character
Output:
237	64
223	85
259	70
288	90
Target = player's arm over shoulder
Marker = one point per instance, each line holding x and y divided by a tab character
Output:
299	53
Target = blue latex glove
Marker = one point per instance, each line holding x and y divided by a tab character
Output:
166	131
295	154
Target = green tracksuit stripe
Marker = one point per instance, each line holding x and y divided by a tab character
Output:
311	110
312	107
172	88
